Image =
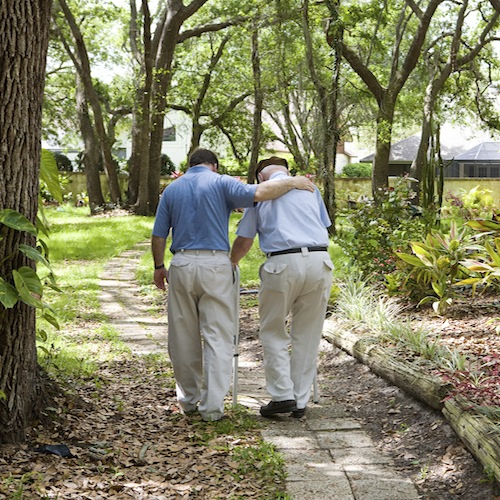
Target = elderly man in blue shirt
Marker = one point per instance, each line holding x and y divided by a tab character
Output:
295	280
203	287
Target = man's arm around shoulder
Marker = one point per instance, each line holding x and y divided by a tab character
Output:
275	189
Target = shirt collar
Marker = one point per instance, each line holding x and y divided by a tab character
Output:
278	175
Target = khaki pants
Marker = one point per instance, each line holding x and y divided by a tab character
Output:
202	308
296	284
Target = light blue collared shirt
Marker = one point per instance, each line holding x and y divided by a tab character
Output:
197	206
297	219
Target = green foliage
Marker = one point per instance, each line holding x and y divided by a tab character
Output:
167	166
468	205
362	304
486	262
436	265
231	166
374	232
24	284
63	163
358	170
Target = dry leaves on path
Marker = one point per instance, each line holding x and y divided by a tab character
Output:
130	441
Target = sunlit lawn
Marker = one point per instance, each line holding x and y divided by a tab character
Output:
79	247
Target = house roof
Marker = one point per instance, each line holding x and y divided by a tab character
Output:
455	141
486	151
406	151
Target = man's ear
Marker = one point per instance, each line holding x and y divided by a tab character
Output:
260	177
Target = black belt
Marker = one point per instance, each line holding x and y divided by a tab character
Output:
298	250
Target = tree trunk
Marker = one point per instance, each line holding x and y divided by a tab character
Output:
328	108
162	50
159	92
258	107
91	150
141	207
385	120
24	29
82	65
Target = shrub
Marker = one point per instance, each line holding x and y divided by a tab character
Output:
435	265
358	170
375	232
63	163
167	165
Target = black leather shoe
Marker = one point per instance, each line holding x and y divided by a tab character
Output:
298	413
275	407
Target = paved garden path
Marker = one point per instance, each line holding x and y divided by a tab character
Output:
328	454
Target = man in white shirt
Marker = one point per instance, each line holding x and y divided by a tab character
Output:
295	279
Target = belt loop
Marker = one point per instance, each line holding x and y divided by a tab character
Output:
304	251
182	250
213	252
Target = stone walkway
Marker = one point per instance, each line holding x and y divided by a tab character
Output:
328	455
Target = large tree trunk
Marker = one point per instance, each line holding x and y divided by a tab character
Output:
90	151
24	28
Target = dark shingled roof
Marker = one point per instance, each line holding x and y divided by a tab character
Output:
486	151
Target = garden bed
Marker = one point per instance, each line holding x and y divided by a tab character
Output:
470	329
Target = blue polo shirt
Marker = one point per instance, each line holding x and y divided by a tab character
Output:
297	219
197	206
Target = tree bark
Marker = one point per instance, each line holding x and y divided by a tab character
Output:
24	30
90	151
478	432
328	108
82	65
258	107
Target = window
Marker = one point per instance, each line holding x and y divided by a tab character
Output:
169	134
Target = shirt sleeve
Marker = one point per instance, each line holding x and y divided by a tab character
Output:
161	227
240	195
325	218
247	228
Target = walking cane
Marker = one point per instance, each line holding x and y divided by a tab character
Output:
236	284
315	388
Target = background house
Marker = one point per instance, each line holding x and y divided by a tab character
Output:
464	152
483	160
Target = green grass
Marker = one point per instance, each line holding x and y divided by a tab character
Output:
79	246
75	235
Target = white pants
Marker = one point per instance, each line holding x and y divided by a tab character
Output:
202	308
298	284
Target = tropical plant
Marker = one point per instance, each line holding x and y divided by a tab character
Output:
487	262
437	264
24	284
469	205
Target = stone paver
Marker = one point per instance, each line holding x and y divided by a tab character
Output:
328	455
